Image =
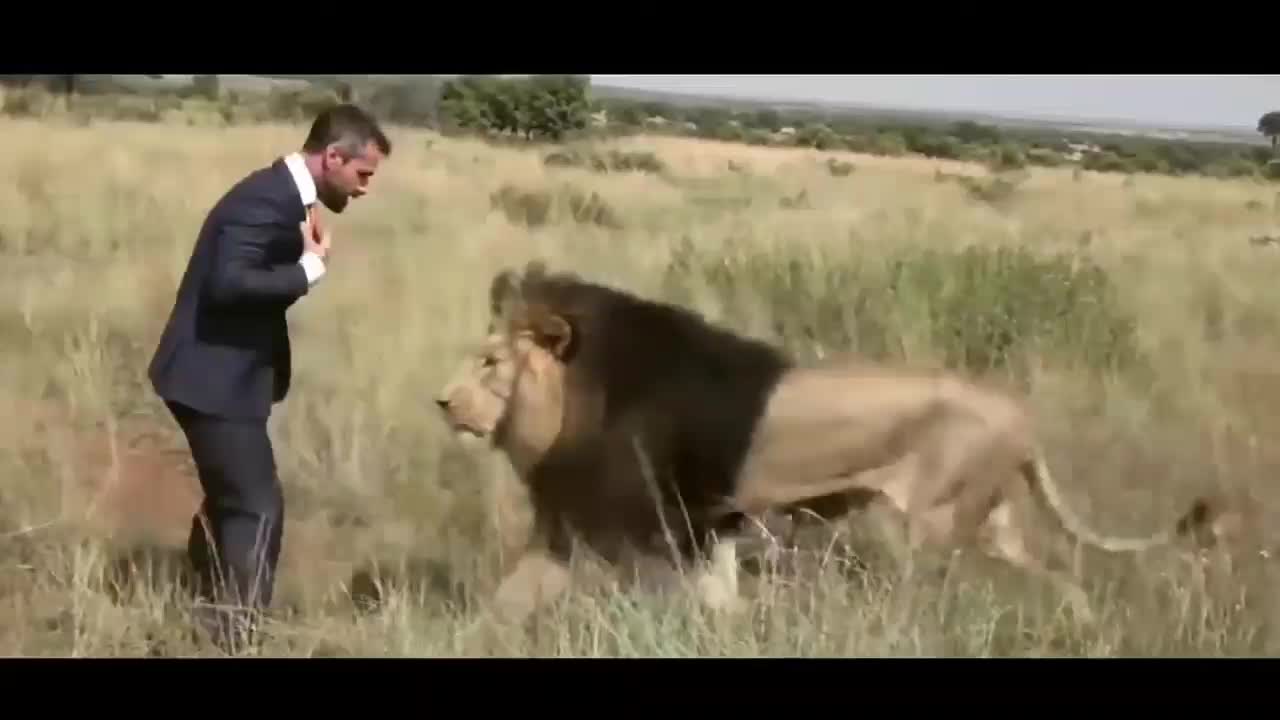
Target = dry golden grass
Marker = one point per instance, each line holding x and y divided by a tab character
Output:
97	223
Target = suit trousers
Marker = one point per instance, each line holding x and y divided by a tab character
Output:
235	539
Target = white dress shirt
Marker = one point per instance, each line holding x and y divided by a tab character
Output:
311	263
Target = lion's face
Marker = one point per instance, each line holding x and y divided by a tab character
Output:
475	399
509	392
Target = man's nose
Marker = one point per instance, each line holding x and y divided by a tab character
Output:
443	403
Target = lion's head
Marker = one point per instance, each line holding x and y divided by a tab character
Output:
474	401
511	389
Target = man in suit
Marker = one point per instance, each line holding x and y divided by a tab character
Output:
224	358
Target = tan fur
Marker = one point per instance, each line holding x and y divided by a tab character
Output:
511	381
956	460
959	461
508	391
930	442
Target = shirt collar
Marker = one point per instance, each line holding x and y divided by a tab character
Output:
301	177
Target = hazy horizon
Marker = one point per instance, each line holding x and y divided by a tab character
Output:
1223	101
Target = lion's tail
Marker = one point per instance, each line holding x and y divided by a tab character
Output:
1042	483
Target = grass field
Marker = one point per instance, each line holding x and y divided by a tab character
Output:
97	223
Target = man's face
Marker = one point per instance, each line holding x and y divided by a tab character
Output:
343	178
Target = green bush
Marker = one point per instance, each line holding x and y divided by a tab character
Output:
891	144
1008	156
294	105
839	168
1149	162
30	102
819	137
981	309
1231	167
985	307
933	145
1044	157
1107	162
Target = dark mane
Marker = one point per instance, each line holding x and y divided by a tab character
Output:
692	393
634	347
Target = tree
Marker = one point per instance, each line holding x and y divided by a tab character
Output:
510	104
543	105
656	108
625	112
708	119
767	119
976	133
205	86
555	105
1269	125
467	101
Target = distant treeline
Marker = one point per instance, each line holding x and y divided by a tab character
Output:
556	108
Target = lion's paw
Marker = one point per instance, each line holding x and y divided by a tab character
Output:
716	595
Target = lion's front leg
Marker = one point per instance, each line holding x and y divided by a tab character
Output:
539	577
716	582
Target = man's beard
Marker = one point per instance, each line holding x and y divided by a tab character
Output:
336	202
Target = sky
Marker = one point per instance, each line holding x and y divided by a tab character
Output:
1168	100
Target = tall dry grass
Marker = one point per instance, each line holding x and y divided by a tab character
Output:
96	225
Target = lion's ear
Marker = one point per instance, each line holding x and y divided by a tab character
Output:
503	292
535	270
552	332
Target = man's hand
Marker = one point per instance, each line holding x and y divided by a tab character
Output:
315	247
316	238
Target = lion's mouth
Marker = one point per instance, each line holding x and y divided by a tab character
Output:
466	431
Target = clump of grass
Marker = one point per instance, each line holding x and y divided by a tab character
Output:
993	190
799	201
541	206
612	160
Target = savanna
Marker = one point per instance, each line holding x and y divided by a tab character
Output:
1130	310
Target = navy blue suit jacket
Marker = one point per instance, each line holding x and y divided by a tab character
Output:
225	350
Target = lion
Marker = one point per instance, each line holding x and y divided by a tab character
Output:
638	424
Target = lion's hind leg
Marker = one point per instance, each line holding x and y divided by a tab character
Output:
968	495
1007	538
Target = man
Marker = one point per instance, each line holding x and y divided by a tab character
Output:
224	357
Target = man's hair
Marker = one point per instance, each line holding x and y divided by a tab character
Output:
348	126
